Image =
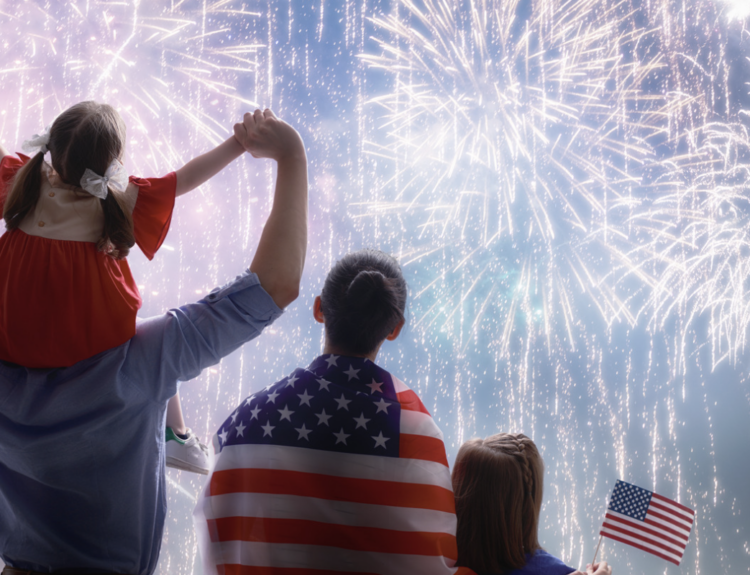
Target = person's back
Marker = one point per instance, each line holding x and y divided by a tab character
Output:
82	484
498	484
337	467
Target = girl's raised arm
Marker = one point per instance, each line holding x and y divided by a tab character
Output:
206	166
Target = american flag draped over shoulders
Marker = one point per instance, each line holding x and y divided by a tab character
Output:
336	468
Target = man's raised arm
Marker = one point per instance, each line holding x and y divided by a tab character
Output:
280	257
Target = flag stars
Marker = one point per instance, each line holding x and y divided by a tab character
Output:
254	413
291	380
304	398
361	421
331	361
343	403
303	433
223	436
285	414
383	405
267	429
240	429
272	396
323	383
352	373
380	440
323	417
341	436
375	386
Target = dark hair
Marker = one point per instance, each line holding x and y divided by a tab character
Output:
363	300
87	135
498	484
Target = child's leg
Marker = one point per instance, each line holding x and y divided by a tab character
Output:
174	416
183	449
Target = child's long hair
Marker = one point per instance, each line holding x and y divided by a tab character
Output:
87	135
498	484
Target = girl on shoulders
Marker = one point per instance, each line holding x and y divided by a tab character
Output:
498	484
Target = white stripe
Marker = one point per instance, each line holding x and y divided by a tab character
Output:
643	543
638	523
326	558
686	515
660	520
658	515
418	423
680	549
334	512
350	465
399	385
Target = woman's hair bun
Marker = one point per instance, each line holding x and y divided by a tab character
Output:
367	289
363	300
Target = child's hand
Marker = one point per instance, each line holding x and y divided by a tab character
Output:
265	136
599	569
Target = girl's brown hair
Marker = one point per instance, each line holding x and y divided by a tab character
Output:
498	484
87	135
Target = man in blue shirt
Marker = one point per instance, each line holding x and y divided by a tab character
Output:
82	484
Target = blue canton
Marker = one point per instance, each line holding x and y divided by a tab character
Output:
630	500
339	403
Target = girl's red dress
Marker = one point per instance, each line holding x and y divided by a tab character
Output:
63	301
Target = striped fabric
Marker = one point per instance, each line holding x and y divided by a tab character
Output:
648	521
336	468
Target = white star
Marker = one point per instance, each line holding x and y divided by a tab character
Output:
267	429
285	413
248	399
380	440
272	396
352	373
383	405
332	360
304	398
361	421
223	436
375	386
254	412
290	381
303	431
324	384
323	417
235	414
343	403
341	437
240	429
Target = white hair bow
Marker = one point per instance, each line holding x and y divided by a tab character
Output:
97	185
37	143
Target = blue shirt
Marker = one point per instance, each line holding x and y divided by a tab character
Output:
542	563
82	484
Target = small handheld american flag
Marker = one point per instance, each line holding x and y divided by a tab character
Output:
648	521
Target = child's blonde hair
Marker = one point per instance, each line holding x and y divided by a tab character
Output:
498	484
86	135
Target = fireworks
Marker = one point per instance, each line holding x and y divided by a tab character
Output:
563	180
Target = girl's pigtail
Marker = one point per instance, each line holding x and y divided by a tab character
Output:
24	194
118	235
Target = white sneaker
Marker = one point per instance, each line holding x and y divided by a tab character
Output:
186	454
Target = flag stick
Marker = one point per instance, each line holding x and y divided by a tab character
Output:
597	551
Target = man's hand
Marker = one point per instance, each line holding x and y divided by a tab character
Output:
263	135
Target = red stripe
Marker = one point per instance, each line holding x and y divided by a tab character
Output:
659	532
668	515
371	491
660	497
411	402
422	447
641	547
354	538
251	570
666	518
648	539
